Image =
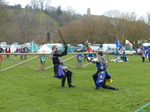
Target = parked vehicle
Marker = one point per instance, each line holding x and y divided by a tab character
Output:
108	47
130	52
146	44
96	47
3	44
112	51
79	48
138	50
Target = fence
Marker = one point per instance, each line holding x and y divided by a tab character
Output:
41	61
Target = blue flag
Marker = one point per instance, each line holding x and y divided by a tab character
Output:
118	44
148	53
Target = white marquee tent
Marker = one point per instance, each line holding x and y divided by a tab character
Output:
13	48
44	49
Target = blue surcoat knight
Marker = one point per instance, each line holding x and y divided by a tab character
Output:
103	75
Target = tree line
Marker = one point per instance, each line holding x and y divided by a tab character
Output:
102	29
41	23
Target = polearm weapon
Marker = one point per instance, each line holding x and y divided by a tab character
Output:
61	37
124	36
116	30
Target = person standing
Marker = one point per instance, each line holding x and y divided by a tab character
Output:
87	46
21	51
25	50
1	51
143	53
148	53
60	70
123	54
101	77
7	50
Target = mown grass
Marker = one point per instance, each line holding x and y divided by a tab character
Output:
23	89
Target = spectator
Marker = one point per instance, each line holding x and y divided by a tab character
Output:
7	50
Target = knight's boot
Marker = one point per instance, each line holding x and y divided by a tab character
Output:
95	79
63	82
97	87
69	79
110	87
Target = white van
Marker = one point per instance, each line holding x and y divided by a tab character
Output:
106	47
146	44
3	44
96	47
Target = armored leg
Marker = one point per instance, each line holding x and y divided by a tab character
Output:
69	79
109	87
95	79
63	82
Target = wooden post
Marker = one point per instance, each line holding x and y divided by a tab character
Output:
107	58
0	61
79	61
42	62
42	67
0	64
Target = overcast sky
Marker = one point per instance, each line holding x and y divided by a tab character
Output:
98	7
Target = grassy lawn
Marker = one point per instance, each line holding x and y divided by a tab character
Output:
23	89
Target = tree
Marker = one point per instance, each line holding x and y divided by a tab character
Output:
2	2
74	32
113	13
148	18
40	4
59	11
129	16
139	31
63	17
4	21
101	29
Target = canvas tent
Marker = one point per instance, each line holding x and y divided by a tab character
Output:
33	47
13	48
44	49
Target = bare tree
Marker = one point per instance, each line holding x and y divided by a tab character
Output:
34	4
142	19
148	18
2	2
113	13
129	16
40	4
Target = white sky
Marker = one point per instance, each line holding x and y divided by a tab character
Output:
98	7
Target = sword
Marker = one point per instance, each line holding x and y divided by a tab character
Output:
62	37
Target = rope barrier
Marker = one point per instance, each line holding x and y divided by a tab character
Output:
142	107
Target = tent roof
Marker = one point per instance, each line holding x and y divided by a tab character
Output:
13	48
44	49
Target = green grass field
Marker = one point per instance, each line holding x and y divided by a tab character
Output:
23	89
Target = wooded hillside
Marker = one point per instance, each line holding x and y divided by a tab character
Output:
24	25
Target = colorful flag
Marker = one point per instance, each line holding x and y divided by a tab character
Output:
128	43
118	44
148	53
